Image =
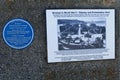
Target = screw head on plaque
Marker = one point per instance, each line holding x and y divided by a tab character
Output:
18	33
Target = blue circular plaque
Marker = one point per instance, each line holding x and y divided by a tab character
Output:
18	33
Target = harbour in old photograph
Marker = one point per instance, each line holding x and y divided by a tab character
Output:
81	34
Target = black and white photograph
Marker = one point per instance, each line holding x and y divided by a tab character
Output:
80	34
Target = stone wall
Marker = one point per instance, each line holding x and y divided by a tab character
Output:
31	63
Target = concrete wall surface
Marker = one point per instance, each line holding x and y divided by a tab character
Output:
31	63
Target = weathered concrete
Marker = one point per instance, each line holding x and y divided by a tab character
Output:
31	63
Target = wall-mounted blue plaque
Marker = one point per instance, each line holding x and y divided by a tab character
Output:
18	33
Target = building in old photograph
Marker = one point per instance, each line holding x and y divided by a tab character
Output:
76	34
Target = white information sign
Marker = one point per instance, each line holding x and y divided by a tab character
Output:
80	34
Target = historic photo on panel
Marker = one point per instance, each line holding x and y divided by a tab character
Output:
80	34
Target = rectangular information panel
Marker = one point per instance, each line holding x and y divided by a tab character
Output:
80	34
